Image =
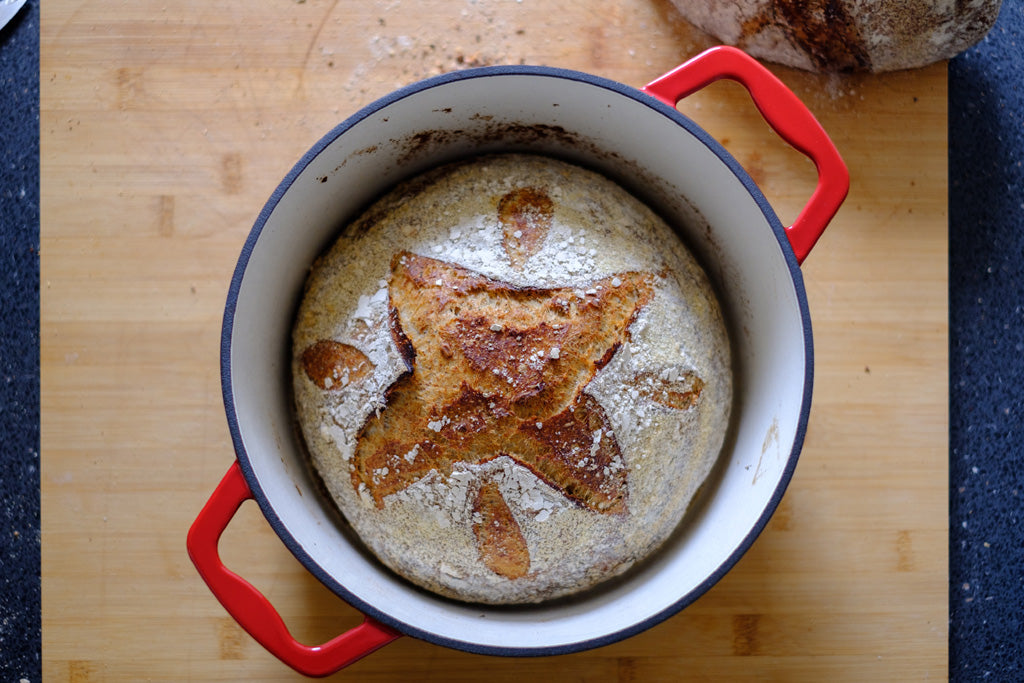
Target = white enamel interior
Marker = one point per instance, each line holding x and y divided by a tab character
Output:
615	131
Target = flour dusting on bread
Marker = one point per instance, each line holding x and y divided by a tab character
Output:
512	378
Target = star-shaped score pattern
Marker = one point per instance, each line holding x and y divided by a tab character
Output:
498	370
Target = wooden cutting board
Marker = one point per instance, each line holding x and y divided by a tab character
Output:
166	125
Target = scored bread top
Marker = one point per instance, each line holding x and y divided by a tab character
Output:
512	378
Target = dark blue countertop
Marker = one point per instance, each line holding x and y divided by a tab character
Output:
20	620
986	349
986	300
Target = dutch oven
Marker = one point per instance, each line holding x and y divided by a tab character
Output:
639	139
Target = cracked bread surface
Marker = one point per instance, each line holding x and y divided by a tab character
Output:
512	378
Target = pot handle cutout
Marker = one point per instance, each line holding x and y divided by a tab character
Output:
252	610
785	113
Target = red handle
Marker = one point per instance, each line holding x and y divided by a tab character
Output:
252	610
785	113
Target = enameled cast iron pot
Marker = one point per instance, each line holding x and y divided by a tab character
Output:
636	137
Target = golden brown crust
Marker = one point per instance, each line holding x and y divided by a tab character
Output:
333	365
499	538
541	346
480	389
525	216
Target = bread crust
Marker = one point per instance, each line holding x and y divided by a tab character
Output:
512	379
845	35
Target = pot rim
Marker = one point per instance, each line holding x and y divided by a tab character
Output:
376	612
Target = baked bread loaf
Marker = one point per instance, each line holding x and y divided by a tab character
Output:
845	35
512	379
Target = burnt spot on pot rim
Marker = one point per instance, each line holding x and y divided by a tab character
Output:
427	142
530	133
420	143
358	153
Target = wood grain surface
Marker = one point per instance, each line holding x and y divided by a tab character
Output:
164	128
